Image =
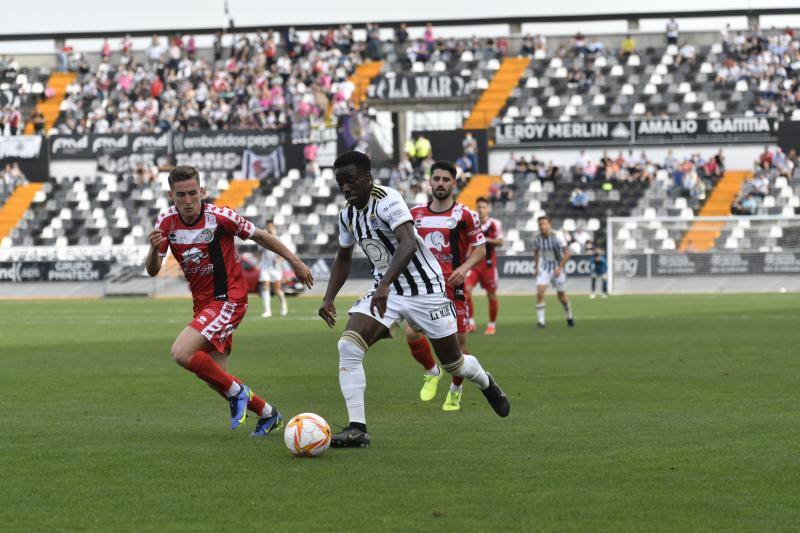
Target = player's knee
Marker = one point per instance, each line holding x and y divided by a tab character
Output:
180	355
352	349
458	368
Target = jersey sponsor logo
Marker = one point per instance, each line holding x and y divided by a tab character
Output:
193	256
172	237
435	240
437	222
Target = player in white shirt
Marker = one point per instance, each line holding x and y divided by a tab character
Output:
271	277
409	285
550	255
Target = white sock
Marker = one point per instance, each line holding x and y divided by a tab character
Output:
433	371
568	309
471	321
469	368
267	302
352	379
454	388
540	313
490	325
284	307
234	390
266	411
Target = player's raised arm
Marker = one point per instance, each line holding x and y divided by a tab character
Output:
264	239
339	274
406	248
155	256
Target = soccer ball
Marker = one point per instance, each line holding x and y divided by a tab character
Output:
307	435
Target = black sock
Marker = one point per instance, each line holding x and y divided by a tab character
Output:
358	425
593	284
605	287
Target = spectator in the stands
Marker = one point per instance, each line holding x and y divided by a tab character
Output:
672	32
578	43
760	183
105	51
422	149
465	164
686	53
552	172
428	37
765	160
528	45
746	205
155	51
470	147
627	47
579	199
401	33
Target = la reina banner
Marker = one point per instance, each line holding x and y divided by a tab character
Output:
635	132
420	87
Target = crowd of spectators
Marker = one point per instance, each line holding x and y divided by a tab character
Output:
767	60
11	178
254	83
770	165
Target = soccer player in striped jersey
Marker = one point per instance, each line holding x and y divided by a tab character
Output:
409	285
550	254
485	272
452	233
200	236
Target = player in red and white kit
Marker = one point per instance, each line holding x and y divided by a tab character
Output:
453	234
200	236
485	272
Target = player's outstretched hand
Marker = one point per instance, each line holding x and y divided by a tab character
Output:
328	313
303	273
379	300
156	238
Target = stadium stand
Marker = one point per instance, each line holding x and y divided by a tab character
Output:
20	89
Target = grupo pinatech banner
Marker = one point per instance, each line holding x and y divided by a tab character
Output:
646	131
29	271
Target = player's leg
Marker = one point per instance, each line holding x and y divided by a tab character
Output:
473	279
421	351
605	286
490	284
191	351
269	418
593	295
433	314
453	400
467	366
266	299
562	297
540	305
361	332
278	289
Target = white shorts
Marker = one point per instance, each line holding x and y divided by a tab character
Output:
547	278
432	314
270	275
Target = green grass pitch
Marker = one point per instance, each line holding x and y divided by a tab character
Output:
671	413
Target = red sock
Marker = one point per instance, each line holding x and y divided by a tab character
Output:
457	381
209	371
421	351
493	305
470	309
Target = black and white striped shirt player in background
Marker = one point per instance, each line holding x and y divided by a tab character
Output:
408	285
550	255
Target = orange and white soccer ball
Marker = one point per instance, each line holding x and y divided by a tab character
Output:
307	435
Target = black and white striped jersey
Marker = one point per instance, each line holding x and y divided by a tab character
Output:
373	229
551	250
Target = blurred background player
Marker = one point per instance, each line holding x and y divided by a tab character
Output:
485	272
550	255
271	277
409	285
452	233
200	236
599	270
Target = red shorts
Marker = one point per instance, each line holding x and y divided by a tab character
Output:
486	276
462	316
217	322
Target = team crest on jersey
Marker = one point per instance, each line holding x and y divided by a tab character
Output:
452	222
207	235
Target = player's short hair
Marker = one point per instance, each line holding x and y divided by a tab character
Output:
543	217
269	221
446	166
360	160
482	199
183	173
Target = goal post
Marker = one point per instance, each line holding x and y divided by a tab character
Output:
703	254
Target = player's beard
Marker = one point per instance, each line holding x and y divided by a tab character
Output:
441	194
